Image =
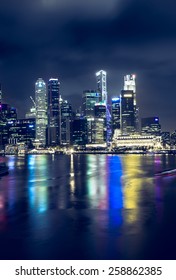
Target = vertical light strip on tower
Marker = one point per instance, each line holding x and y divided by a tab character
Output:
41	111
102	85
130	84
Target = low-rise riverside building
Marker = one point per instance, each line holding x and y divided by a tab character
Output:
138	141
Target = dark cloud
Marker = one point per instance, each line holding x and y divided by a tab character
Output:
73	39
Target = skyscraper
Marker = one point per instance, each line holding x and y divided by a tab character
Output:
8	116
115	114
130	84
66	122
101	113
89	99
41	111
79	131
127	112
53	131
102	85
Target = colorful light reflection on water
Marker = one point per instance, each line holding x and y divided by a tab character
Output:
87	206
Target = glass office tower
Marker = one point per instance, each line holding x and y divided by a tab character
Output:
41	111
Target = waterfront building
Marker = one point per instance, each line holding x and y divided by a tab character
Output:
150	126
115	114
41	111
102	85
127	112
137	141
95	131
8	115
53	130
22	131
89	99
66	122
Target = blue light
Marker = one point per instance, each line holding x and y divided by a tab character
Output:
31	125
116	99
156	119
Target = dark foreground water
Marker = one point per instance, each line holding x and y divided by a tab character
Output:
88	207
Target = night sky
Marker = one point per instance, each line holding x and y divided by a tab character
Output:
72	39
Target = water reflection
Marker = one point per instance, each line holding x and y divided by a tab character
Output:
72	174
132	184
37	182
86	206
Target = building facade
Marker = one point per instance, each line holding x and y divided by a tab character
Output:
102	85
41	111
130	84
79	131
89	99
150	126
8	115
22	130
115	114
127	112
53	130
66	122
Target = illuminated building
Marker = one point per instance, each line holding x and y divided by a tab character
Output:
95	131
53	130
127	112
115	114
89	99
151	126
8	115
102	85
101	113
130	84
22	130
66	122
138	141
41	111
79	131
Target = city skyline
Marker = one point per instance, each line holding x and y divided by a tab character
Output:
73	41
129	83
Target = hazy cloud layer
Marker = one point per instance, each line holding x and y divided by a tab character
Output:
73	39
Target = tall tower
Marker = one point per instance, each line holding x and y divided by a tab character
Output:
115	114
130	84
66	122
102	85
127	112
89	99
53	135
41	111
